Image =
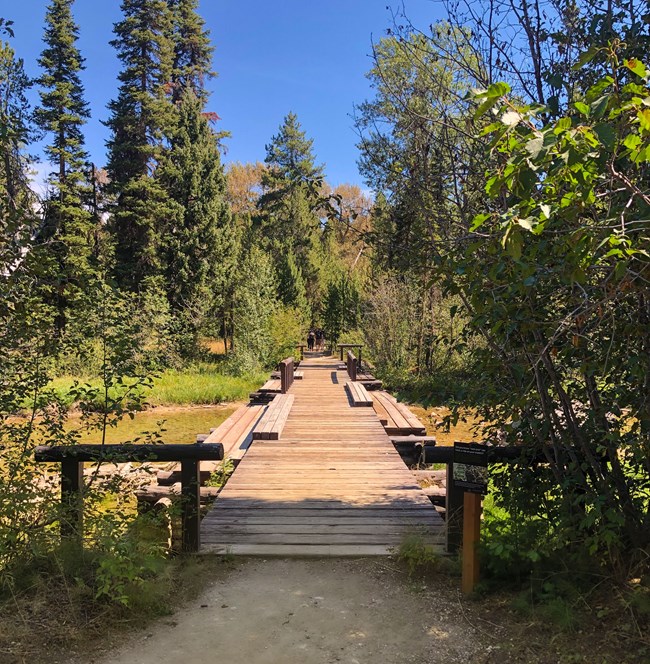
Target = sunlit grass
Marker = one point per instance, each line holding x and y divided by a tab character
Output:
200	384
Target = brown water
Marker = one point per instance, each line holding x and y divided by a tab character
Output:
177	424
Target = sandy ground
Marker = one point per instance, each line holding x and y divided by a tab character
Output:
315	612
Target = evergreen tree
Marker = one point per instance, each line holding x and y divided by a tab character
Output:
255	303
67	224
291	286
141	117
16	132
199	240
17	218
192	63
288	208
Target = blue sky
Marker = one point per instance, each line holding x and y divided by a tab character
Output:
272	57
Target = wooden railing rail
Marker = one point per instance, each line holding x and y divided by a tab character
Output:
352	366
343	347
72	458
286	374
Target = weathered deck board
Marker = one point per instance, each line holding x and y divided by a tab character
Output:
333	485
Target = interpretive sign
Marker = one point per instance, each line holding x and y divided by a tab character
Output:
471	467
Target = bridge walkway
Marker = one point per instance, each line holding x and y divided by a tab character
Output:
332	485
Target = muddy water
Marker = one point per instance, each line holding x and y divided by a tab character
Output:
177	424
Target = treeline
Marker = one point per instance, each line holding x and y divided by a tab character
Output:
509	147
162	224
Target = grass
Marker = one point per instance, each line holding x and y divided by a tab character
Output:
199	384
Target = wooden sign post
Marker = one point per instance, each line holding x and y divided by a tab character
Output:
470	473
471	539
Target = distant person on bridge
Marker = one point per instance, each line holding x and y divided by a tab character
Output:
310	340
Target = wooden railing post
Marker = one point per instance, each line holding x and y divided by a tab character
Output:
352	366
190	491
286	374
72	478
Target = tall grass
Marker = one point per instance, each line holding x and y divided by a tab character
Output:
200	384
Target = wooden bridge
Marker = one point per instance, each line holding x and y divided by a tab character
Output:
332	484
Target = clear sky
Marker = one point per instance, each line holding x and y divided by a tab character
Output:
272	57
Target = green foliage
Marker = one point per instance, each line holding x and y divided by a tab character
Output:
288	327
198	240
341	311
16	198
220	476
254	306
141	117
419	558
192	63
288	213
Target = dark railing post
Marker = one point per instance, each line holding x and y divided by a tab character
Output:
286	374
72	478
190	483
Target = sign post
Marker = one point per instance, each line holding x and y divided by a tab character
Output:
471	475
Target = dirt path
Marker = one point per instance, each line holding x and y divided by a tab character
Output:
315	612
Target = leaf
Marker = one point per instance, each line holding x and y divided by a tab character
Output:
478	221
606	134
599	106
563	124
511	118
632	141
585	58
485	106
535	146
637	67
582	108
526	223
512	242
498	89
644	119
555	81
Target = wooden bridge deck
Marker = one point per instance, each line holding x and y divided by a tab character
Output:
332	485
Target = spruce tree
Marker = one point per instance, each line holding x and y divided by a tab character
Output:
192	63
288	208
16	133
141	117
67	224
199	240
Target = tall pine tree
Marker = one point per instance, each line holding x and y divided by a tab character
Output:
68	225
141	117
192	63
199	240
288	207
16	132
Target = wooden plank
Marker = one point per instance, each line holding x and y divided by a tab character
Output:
332	484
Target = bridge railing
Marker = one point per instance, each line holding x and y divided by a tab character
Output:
73	457
352	366
286	369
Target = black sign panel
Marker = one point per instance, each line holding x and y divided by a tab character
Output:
471	467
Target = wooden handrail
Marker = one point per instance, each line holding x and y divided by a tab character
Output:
72	458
